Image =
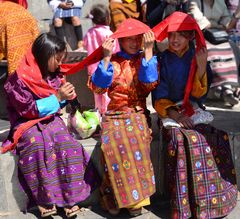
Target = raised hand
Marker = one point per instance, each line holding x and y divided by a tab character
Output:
148	39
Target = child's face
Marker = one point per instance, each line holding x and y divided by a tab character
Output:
131	45
177	41
55	61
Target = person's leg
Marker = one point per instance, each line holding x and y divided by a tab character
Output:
58	26
78	30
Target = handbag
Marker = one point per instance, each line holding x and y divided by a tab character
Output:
215	36
212	35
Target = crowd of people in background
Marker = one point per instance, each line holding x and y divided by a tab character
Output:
134	48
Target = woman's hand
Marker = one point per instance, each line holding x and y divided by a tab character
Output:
183	120
65	5
201	58
66	92
107	46
148	39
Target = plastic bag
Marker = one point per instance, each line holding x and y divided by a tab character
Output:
83	124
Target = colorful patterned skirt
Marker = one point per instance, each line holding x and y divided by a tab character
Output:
129	177
200	173
53	167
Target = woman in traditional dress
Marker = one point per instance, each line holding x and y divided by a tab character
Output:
128	76
52	164
200	174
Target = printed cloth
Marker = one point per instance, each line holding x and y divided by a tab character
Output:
126	141
122	11
18	30
223	64
53	164
200	166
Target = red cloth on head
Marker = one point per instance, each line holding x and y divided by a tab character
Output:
20	2
29	72
179	21
129	27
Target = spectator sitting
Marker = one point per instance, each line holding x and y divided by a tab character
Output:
222	57
68	9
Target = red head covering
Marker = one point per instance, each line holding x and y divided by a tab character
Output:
179	21
20	2
129	27
29	72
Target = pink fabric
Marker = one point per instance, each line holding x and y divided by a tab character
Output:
92	40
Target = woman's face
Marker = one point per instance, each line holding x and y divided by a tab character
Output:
55	61
177	41
131	45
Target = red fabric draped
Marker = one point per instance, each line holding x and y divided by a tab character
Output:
179	21
129	27
30	74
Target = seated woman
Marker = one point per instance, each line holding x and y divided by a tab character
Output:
200	174
52	164
223	57
128	76
71	9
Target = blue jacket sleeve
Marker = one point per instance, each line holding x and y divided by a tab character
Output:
101	77
162	90
48	105
148	71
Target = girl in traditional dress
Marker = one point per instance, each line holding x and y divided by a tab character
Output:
128	77
199	168
52	164
94	38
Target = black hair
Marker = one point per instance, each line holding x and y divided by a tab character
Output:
99	14
44	47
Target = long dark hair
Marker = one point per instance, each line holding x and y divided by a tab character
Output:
44	47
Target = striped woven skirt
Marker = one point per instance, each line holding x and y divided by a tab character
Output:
129	177
223	64
200	173
53	166
63	13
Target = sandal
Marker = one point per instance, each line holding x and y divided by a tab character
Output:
46	212
72	211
